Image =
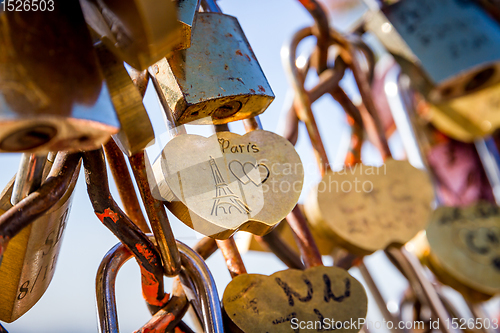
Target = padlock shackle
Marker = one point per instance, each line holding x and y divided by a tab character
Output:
123	181
42	200
195	269
303	109
232	256
281	249
29	175
210	6
157	216
414	273
110	214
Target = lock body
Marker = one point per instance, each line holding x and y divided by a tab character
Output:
136	131
52	95
449	48
229	182
29	262
215	81
139	32
465	250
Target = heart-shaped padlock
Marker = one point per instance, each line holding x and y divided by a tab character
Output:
229	182
293	300
465	247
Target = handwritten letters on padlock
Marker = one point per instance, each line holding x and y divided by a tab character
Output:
466	243
292	299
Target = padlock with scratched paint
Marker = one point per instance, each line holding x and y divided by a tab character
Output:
53	96
217	80
29	261
141	32
449	48
136	131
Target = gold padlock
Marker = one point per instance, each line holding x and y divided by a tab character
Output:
136	132
468	117
449	48
229	182
29	261
465	248
52	96
217	80
139	32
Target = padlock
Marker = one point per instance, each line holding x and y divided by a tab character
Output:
229	182
29	261
136	132
52	94
284	300
465	118
139	32
449	48
195	273
217	80
465	248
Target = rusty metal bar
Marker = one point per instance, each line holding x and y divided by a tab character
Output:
305	241
321	31
303	104
232	256
206	247
275	244
157	216
39	201
129	234
126	190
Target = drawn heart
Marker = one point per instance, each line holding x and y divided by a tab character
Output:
292	300
243	172
228	182
367	208
465	245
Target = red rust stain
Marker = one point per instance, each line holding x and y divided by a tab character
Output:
238	52
150	287
252	91
178	330
261	89
226	67
229	35
308	4
144	251
158	324
108	212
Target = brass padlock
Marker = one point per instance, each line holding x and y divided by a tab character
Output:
229	182
449	48
217	80
52	96
292	299
136	132
465	248
29	261
466	118
139	32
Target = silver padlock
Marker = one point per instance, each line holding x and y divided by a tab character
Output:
194	270
449	48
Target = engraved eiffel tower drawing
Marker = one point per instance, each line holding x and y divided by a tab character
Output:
224	196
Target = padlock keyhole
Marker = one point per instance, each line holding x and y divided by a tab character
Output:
227	110
28	138
480	79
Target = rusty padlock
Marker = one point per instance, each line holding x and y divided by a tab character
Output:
217	80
